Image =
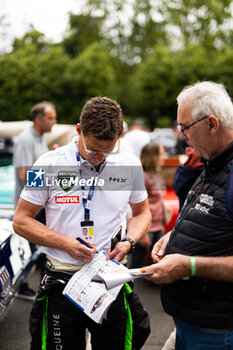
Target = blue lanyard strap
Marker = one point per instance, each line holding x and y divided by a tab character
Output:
87	199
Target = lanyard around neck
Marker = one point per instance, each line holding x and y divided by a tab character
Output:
86	198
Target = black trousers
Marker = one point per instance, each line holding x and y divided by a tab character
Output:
66	323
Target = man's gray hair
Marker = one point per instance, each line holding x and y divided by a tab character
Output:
209	98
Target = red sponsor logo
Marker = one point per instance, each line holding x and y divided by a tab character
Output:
66	199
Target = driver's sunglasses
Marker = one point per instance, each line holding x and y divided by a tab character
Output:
181	130
95	153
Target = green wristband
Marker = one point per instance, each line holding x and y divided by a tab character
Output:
193	265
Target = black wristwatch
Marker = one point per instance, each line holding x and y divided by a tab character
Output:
131	241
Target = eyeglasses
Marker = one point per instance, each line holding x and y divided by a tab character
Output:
95	153
181	130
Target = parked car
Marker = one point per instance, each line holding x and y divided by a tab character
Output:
166	137
17	255
7	184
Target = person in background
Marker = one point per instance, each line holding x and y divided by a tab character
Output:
125	145
137	136
28	146
181	144
186	174
152	158
194	263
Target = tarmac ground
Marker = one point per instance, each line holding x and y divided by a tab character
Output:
14	333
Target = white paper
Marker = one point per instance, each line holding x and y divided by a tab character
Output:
114	278
93	298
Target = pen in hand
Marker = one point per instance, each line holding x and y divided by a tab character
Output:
84	242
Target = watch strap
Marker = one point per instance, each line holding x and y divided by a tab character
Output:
131	241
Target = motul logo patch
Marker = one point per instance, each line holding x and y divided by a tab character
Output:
66	199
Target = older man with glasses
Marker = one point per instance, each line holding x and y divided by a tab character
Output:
88	212
194	263
182	129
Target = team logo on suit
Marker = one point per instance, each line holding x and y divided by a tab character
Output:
66	181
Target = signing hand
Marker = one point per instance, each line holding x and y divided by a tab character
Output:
79	251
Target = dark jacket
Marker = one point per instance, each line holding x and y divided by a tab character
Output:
204	228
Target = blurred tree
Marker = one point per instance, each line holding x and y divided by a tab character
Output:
18	77
193	63
31	37
158	80
147	29
27	77
195	21
153	86
90	74
52	67
227	37
222	68
130	28
83	31
134	27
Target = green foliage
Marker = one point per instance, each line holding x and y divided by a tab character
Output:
160	78
147	31
197	21
193	63
130	28
50	80
155	22
84	30
18	72
90	74
27	78
153	85
33	37
164	122
222	69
